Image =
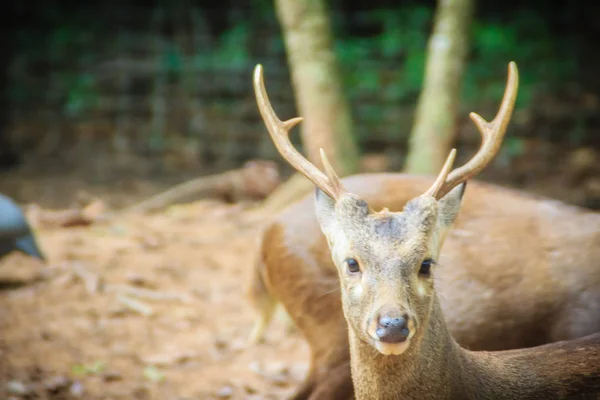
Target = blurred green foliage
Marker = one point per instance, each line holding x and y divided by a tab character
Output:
400	49
545	61
65	58
383	64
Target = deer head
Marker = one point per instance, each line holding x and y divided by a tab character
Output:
385	260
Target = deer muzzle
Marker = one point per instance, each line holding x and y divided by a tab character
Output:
391	330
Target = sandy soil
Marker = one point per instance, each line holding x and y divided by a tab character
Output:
153	307
144	307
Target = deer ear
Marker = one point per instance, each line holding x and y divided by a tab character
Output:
449	206
325	209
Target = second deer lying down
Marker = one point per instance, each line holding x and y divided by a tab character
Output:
400	346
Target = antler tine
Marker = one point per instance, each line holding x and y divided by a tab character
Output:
441	179
279	131
492	134
336	184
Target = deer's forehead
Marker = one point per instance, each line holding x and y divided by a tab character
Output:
389	239
388	229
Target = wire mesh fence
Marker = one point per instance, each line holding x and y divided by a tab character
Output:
170	85
170	90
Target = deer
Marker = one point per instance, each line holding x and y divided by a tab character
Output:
388	335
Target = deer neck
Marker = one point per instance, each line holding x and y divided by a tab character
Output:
435	367
429	369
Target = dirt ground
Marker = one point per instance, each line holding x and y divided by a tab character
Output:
143	307
153	306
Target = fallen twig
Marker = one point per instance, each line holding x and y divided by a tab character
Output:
255	180
68	218
92	282
149	293
135	305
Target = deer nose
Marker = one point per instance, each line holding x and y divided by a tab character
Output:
392	329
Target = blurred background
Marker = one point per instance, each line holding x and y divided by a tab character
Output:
122	92
113	112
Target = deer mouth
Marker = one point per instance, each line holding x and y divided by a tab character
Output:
391	349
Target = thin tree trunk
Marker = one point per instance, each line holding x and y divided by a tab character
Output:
317	89
435	120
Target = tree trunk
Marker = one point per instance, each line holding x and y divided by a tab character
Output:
317	89
435	120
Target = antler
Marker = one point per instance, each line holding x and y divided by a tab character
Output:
441	179
492	134
279	130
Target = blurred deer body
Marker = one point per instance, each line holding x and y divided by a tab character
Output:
518	271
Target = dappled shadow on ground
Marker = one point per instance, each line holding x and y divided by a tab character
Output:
142	307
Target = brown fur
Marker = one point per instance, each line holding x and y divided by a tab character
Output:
429	364
516	271
440	369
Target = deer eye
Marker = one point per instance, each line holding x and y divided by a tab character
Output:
426	267
352	265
